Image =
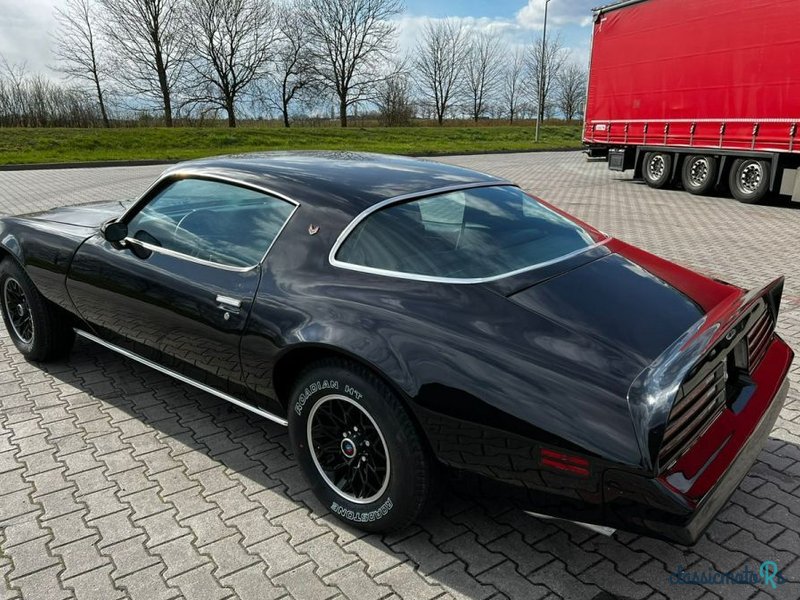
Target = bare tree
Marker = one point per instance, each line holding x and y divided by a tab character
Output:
394	101
77	46
441	54
512	85
544	66
482	70
293	71
229	44
147	38
30	100
571	93
351	40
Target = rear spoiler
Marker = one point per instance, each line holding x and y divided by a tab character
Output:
653	392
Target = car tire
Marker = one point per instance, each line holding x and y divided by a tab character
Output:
38	329
657	169
358	447
699	173
749	180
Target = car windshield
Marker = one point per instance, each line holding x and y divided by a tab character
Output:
477	233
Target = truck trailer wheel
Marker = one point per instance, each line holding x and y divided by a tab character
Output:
657	169
699	173
749	180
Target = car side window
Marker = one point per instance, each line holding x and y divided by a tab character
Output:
211	220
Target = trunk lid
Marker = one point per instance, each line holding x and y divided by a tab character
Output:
614	301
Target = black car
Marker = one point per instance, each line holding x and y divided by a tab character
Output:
399	315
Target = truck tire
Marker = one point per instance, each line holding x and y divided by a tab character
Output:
699	173
657	169
749	180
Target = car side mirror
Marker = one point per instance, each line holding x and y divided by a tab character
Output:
115	231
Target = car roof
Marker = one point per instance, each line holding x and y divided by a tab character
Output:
353	181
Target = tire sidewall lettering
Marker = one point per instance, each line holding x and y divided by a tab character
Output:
362	517
325	385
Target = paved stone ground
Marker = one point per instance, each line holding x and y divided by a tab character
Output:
116	482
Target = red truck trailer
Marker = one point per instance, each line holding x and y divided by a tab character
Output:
704	92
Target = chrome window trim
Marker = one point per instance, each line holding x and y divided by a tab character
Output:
435	278
195	174
180	377
129	241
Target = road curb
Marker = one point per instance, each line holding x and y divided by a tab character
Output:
149	163
86	165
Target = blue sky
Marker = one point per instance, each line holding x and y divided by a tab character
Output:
26	25
516	21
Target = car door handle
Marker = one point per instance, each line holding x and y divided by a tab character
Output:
228	303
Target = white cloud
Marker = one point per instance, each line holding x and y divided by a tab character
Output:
559	12
25	29
513	31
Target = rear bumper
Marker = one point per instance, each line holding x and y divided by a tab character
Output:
707	509
680	504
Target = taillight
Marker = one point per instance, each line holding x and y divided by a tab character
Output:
577	465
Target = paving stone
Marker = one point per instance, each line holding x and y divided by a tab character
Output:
607	578
146	504
115	528
43	583
161	527
23	530
278	555
254	526
459	584
508	580
12	481
233	502
68	528
326	554
252	583
375	554
228	555
95	584
300	527
49	482
147	584
189	503
199	584
208	527
102	458
129	556
422	552
179	555
476	556
301	582
59	503
81	556
30	557
354	583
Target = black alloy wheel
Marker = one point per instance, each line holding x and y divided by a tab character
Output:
348	449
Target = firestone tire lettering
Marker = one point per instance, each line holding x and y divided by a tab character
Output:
363	517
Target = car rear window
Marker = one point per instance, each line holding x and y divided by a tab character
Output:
477	233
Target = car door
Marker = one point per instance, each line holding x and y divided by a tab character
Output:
178	289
